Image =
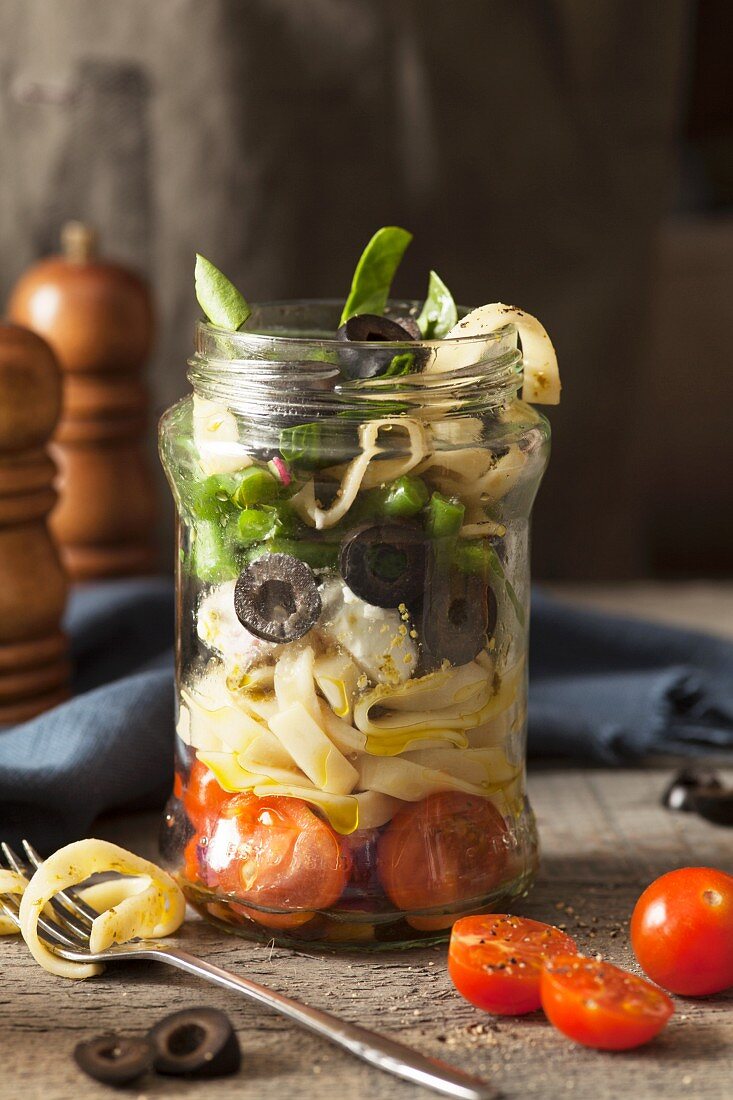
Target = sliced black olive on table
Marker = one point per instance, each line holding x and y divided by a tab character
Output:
384	563
700	792
114	1059
276	598
195	1042
457	613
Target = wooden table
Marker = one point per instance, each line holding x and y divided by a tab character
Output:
604	838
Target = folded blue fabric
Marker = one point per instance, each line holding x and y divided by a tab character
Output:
602	689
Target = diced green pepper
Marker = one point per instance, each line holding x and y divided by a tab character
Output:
319	443
319	555
445	516
210	499
254	524
473	555
405	497
212	557
256	485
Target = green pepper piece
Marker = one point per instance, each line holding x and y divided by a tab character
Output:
212	559
375	271
210	498
255	524
319	443
405	497
473	556
445	516
256	486
319	555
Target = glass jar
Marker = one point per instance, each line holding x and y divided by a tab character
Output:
352	594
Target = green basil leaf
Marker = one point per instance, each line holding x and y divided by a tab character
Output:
375	271
220	300
439	314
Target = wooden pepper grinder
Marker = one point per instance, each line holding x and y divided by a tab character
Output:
34	665
97	316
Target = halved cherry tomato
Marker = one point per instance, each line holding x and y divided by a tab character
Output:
600	1005
496	961
442	852
277	853
682	931
203	798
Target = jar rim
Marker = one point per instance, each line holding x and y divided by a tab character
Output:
202	325
252	369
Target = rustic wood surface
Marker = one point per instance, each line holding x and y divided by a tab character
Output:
604	838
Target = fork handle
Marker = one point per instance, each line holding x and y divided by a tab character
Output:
385	1054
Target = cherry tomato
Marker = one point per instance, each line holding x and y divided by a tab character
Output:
600	1005
496	961
442	852
203	797
682	931
277	853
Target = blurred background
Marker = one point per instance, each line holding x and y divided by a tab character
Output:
573	158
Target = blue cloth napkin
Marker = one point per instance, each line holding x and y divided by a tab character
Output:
602	689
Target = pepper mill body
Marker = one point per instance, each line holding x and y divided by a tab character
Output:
34	664
98	318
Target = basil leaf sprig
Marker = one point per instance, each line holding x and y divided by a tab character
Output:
375	271
220	300
439	314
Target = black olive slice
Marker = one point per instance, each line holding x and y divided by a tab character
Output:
455	617
114	1059
195	1042
410	325
276	598
372	362
713	805
370	327
384	563
686	785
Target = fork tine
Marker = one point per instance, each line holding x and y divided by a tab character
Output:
53	933
16	863
70	896
76	927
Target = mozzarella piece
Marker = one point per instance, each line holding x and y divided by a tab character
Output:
216	435
377	638
219	628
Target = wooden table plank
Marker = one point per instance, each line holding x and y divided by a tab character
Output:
604	837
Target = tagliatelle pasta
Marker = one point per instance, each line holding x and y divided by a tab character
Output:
10	883
408	780
363	472
145	904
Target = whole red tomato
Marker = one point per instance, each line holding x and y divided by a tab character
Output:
443	852
682	931
203	798
277	853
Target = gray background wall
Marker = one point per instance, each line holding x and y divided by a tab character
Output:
532	148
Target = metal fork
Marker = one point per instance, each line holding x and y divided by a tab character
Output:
67	934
